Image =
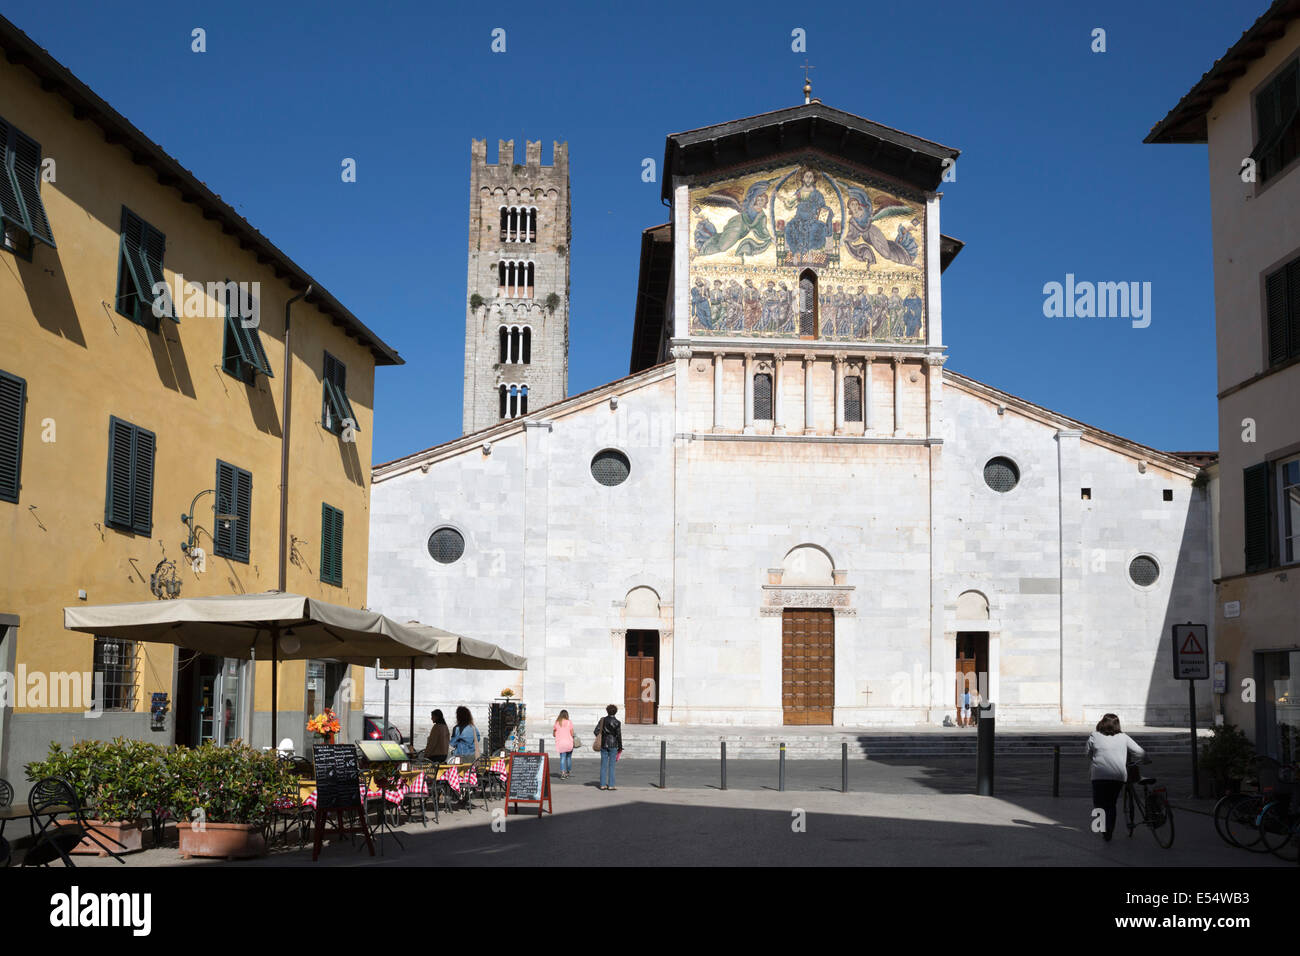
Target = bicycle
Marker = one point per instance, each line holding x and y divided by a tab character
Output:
1279	821
1236	815
1151	809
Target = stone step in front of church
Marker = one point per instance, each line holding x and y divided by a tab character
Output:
805	743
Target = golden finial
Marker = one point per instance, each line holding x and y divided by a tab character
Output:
807	83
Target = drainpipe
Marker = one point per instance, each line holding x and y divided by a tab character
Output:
286	401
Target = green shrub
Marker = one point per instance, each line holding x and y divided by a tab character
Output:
125	780
233	784
1227	754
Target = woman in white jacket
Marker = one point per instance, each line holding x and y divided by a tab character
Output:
1110	750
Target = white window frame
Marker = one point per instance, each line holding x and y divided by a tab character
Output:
1287	542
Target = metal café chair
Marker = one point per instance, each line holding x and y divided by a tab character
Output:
6	799
50	799
424	769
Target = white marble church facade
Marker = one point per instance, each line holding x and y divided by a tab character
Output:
842	484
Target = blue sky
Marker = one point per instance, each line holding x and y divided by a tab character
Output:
1053	177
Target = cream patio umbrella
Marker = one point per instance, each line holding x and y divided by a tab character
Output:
455	652
274	625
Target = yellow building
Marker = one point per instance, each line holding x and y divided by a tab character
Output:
122	411
1244	110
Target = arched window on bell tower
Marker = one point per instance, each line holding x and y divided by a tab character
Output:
808	304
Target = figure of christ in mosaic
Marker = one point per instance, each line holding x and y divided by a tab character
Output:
810	227
747	230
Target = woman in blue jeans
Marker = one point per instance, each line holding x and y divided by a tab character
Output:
610	732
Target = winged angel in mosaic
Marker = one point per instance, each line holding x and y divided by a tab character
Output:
747	230
863	235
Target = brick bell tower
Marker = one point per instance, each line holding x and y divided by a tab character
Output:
517	307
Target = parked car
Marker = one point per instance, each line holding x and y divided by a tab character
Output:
377	728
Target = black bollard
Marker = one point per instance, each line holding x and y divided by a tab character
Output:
781	776
724	765
844	767
663	765
1056	770
541	745
984	760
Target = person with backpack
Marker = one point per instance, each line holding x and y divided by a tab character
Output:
609	734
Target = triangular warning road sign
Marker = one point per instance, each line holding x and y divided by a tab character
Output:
1192	645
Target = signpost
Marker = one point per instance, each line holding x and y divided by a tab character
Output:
338	789
528	780
387	674
1192	663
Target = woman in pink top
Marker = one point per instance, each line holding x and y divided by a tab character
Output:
563	734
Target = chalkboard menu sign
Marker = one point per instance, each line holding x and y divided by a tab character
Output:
529	781
338	778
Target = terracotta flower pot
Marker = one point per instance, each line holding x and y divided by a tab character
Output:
127	832
230	840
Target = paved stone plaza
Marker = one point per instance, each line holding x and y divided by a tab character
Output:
897	813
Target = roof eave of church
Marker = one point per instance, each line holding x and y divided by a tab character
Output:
1173	461
1186	122
503	429
806	126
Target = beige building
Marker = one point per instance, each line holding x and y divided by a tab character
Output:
120	413
1245	109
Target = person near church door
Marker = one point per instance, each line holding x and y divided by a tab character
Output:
563	734
1111	751
963	718
610	732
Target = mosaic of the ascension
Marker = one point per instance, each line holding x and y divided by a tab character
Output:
753	238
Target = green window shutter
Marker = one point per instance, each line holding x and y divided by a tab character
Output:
13	394
223	536
142	483
337	408
241	340
131	296
243	508
25	163
10	205
1275	296
117	511
331	558
1257	530
151	255
1293	308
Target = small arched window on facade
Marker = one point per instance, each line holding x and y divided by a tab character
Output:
808	305
763	397
852	398
503	354
518	224
526	345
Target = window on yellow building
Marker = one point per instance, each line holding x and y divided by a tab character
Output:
234	496
242	355
13	395
21	208
335	407
331	545
140	272
130	477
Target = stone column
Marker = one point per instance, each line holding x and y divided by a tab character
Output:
867	421
898	396
933	393
1074	648
778	397
717	391
749	393
839	393
809	410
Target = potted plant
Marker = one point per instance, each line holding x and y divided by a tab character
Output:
223	798
1226	757
119	784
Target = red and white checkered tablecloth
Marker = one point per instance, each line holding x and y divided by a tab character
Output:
456	778
499	766
417	786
